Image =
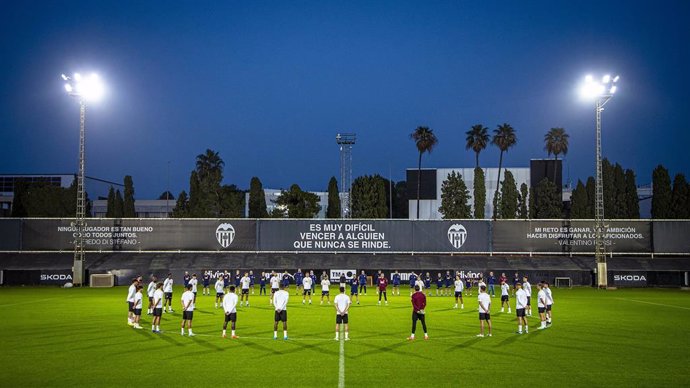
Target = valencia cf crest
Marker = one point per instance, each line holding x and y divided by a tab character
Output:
457	235
225	233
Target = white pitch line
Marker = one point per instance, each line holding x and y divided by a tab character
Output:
29	302
656	304
341	365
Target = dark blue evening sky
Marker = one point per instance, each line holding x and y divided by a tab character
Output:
269	84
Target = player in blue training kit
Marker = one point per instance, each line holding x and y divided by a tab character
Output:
262	284
226	281
207	283
286	281
396	283
299	277
492	282
354	285
252	281
363	283
448	283
186	279
413	279
238	277
439	284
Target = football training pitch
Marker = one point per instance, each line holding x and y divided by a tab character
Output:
80	337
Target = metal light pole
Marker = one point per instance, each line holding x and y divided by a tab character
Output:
346	141
84	89
602	93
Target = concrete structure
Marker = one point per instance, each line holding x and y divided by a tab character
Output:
144	208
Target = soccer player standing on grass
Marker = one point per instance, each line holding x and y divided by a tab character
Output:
427	283
130	301
230	309
244	282
528	290
458	292
187	310
439	284
520	306
505	290
343	281
484	310
193	282
396	284
207	282
299	277
185	279
382	283
325	288
413	280
448	280
541	305
418	305
138	304
353	288
275	284
158	296
280	301
226	280
220	290
252	280
363	283
149	292
549	302
516	280
492	282
342	305
168	290
307	284
262	284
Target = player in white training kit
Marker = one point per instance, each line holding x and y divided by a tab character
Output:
484	310
149	292
541	305
130	301
342	304
230	309
194	282
280	301
520	306
307	282
136	309
528	290
325	289
505	298
275	284
244	282
168	291
220	290
549	302
158	297
187	310
458	292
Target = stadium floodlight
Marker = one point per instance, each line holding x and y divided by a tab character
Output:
86	89
601	93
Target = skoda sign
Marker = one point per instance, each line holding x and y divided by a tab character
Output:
457	235
225	234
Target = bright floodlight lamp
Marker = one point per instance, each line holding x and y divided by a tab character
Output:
86	89
601	93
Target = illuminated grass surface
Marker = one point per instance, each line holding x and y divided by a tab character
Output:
79	337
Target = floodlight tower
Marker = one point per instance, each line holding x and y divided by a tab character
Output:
345	141
601	92
84	89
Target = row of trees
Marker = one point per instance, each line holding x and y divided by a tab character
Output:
42	199
508	202
371	197
670	201
119	207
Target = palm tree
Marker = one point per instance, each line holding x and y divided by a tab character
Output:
425	140
477	140
556	142
504	138
209	163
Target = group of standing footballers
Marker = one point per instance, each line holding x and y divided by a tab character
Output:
160	295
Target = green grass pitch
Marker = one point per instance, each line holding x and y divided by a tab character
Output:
79	337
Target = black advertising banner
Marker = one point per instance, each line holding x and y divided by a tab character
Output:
335	236
627	278
564	236
468	236
10	234
141	235
671	236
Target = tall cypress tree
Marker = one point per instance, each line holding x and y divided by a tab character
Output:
609	189
110	209
257	199
679	198
509	197
524	199
620	200
181	209
590	187
578	202
479	193
118	207
631	199
334	209
661	193
548	203
128	206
